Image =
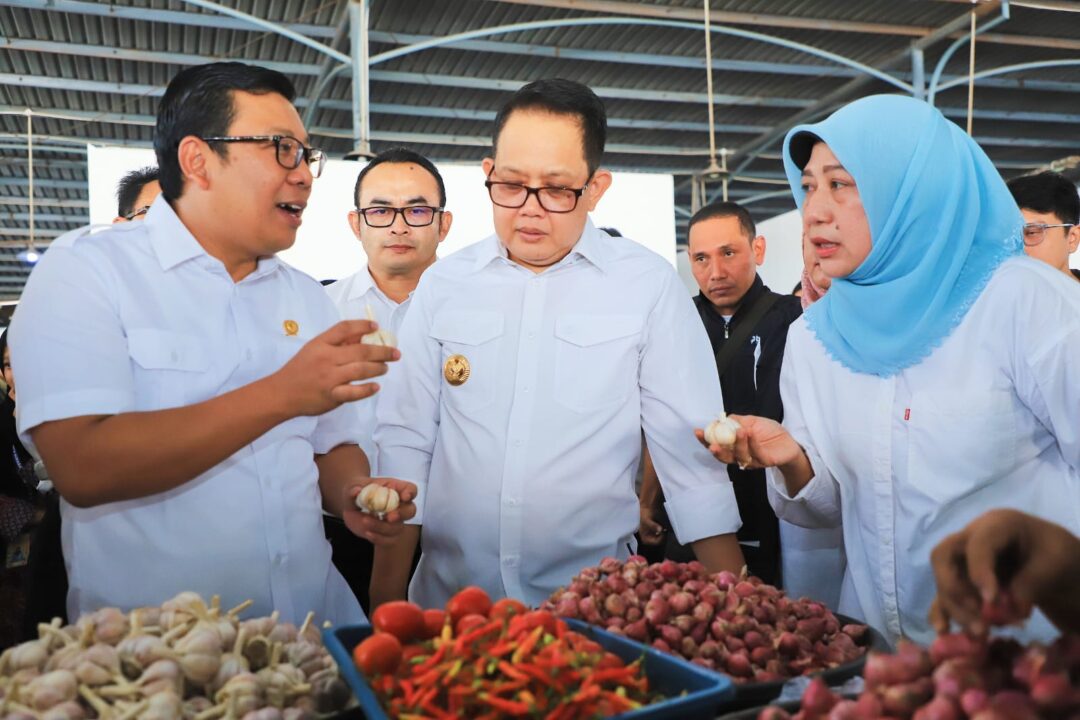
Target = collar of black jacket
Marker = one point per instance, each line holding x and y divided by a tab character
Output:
756	290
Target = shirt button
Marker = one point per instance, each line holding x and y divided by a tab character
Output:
175	357
517	443
532	335
511	561
525	389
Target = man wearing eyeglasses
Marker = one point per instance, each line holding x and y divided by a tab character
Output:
399	218
1051	208
532	360
135	193
187	389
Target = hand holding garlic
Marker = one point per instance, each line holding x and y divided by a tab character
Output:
750	442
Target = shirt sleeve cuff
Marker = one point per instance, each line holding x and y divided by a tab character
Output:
703	512
99	401
403	463
816	505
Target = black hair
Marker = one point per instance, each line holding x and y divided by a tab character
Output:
199	101
562	97
401	155
1047	192
613	232
726	209
127	192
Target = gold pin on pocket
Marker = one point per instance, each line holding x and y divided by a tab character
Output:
456	370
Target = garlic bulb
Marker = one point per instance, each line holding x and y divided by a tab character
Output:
32	654
721	431
68	710
378	499
50	689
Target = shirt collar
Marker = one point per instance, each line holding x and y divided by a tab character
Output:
174	244
591	246
360	283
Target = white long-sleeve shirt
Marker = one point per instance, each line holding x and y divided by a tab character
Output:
990	419
354	296
526	470
140	318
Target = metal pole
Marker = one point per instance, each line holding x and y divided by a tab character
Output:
971	76
358	36
918	73
30	168
708	82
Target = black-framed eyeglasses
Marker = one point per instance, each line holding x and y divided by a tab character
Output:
290	151
552	198
1035	233
380	216
136	213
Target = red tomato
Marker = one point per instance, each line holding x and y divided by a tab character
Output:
468	601
469	622
434	619
401	619
507	608
378	654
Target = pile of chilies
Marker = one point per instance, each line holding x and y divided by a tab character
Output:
958	677
482	660
735	625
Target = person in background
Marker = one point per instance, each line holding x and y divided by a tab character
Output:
747	326
797	290
1005	553
400	218
1051	209
533	360
936	379
187	389
136	193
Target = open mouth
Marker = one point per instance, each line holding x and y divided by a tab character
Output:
292	208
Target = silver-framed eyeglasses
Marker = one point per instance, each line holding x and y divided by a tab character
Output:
1035	233
553	198
136	213
380	216
289	150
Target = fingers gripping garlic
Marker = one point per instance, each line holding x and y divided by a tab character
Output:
378	499
722	431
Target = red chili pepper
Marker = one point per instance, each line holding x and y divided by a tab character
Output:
509	706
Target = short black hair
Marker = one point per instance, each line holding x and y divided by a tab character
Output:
613	232
199	101
725	209
562	97
797	289
1047	192
401	155
130	186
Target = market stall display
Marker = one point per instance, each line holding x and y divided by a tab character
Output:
184	659
502	660
739	626
958	677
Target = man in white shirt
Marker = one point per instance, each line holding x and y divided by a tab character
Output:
400	220
533	360
186	388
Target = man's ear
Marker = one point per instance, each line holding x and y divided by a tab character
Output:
1073	239
445	222
192	157
487	164
354	223
601	181
758	246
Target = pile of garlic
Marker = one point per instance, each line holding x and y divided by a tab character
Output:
182	660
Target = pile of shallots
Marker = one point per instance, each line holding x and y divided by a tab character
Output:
739	626
182	660
959	677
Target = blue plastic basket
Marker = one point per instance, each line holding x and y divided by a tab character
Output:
691	692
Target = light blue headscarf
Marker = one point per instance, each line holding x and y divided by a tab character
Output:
941	221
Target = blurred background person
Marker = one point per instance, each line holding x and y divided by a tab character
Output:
136	193
1051	209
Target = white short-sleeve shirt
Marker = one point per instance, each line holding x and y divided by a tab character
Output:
526	469
140	318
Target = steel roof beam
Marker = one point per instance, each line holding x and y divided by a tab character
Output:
43	217
43	202
303	69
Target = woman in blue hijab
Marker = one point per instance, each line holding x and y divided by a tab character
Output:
938	378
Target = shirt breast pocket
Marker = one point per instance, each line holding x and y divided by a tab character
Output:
595	360
170	367
960	442
474	336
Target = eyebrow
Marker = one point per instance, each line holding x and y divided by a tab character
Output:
825	169
282	131
552	174
418	200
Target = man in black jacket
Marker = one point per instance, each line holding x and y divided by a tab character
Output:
747	325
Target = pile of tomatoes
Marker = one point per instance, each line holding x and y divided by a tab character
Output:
492	660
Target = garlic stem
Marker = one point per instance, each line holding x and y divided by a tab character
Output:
307	623
102	708
241	608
